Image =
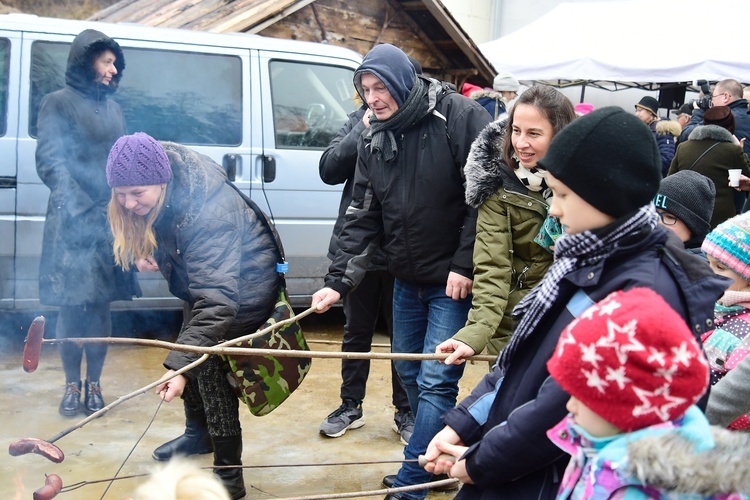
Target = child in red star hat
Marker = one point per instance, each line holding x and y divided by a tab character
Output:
634	372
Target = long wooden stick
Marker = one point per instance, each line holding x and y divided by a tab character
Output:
248	351
164	378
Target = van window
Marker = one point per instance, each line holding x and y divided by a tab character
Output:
4	66
309	115
185	97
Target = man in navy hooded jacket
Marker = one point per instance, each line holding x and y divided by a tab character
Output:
409	193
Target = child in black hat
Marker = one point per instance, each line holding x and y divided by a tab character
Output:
685	203
604	170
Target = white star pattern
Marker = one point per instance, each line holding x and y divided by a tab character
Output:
567	339
658	402
594	380
589	313
682	354
621	349
667	373
589	355
656	355
617	376
608	308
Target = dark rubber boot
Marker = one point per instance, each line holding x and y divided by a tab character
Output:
195	440
228	451
70	405
93	400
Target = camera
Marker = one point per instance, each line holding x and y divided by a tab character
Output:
704	102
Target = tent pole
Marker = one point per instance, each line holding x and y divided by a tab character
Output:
583	91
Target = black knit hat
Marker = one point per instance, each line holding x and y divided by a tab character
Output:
609	158
690	197
650	104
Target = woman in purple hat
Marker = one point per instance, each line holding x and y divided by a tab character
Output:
174	211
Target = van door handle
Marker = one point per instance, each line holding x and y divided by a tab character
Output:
229	163
269	168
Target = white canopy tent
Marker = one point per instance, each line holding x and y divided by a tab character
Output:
629	43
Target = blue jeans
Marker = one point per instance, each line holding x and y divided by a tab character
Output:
423	317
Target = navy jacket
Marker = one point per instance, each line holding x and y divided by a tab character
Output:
504	421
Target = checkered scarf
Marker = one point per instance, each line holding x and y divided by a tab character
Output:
571	252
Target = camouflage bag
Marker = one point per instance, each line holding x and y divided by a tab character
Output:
264	382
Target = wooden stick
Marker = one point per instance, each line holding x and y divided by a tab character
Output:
374	493
248	351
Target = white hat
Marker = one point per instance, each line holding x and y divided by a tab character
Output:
505	82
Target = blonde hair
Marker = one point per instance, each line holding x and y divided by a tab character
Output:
181	480
134	236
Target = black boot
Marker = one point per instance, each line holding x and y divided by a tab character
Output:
195	440
71	401
93	401
228	451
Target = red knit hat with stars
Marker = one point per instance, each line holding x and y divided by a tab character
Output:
631	359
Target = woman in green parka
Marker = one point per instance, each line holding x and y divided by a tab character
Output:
504	182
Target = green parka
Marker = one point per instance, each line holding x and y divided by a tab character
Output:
507	262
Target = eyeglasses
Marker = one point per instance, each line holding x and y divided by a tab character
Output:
718	95
667	219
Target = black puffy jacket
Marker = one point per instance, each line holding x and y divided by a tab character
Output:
214	253
415	203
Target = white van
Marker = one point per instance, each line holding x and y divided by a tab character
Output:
263	108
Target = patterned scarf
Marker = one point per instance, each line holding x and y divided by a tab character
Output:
535	180
381	135
571	252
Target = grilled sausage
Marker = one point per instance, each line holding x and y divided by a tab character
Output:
33	347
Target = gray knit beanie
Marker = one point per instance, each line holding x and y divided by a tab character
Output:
609	158
505	82
137	160
690	197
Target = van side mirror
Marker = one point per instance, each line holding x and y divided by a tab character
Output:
229	163
269	168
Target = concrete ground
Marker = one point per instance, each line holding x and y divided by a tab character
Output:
289	435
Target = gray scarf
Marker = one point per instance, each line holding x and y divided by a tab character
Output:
381	136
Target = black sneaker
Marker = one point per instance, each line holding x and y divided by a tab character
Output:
403	425
345	417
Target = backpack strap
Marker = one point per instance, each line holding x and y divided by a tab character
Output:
283	266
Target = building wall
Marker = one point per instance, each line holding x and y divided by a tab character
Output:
486	20
476	17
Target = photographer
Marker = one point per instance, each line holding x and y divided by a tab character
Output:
725	93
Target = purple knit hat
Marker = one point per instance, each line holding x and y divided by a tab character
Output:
137	160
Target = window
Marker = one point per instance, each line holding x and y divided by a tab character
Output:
4	77
185	97
310	103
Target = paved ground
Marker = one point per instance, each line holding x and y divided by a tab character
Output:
289	435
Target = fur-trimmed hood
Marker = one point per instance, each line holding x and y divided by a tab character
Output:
671	462
668	127
713	132
486	170
492	94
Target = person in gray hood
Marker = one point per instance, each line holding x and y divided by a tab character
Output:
77	126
